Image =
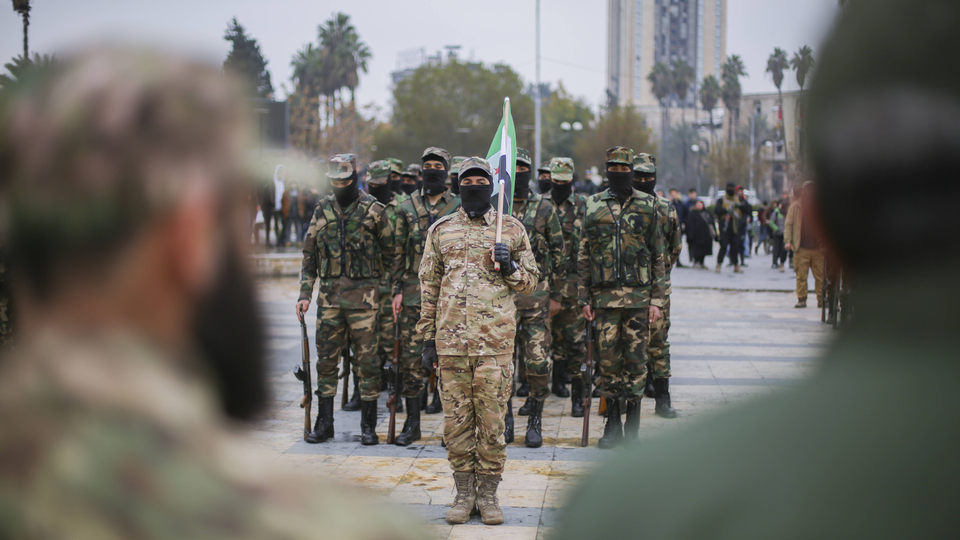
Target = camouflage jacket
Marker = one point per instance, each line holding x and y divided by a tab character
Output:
622	255
391	213
468	308
415	217
345	249
673	241
539	217
107	436
570	214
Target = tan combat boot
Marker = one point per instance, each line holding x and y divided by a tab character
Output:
737	269
466	500
719	266
490	513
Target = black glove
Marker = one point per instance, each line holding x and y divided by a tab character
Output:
430	354
501	254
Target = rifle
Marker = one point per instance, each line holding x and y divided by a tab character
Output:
302	373
586	373
394	395
345	374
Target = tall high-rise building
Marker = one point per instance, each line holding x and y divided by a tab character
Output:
641	33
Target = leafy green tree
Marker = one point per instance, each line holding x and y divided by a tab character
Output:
710	93
22	7
246	61
675	160
456	106
728	162
682	76
561	107
617	126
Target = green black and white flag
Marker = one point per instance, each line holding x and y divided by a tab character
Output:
502	157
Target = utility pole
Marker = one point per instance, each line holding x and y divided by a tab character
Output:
753	135
536	135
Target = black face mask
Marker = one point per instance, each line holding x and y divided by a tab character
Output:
621	183
434	181
228	333
382	192
645	185
455	184
731	192
544	186
561	191
395	185
476	199
408	188
346	195
522	188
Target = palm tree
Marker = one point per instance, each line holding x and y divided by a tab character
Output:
710	93
683	76
23	8
802	63
776	64
732	70
20	65
356	54
661	80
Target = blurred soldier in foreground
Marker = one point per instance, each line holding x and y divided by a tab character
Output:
346	245
468	323
539	218
842	455
567	324
658	348
621	282
138	337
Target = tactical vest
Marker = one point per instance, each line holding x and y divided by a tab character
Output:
567	224
417	237
538	243
619	255
349	246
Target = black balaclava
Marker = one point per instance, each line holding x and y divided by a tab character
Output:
621	183
455	184
731	190
645	182
409	188
476	199
395	185
522	188
544	186
434	181
346	195
382	192
561	191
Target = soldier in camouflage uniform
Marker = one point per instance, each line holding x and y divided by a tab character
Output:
658	348
396	173
621	283
568	323
410	179
455	173
543	178
348	240
112	407
416	215
468	323
539	217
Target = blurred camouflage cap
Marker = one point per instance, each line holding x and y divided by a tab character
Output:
621	155
523	156
395	164
341	166
544	167
437	153
411	170
476	165
455	164
561	168
379	170
644	163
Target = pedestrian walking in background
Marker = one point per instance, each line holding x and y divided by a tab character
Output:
701	231
777	223
801	237
731	211
279	205
292	223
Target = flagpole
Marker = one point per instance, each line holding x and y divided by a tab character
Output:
502	187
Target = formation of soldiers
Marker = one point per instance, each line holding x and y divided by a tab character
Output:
476	300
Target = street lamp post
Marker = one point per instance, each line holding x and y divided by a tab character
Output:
696	150
537	103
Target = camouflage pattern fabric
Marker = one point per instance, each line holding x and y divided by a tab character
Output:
658	350
415	217
533	335
341	166
436	153
570	215
6	322
620	155
622	335
396	165
125	443
539	217
391	214
645	163
567	343
467	306
474	392
411	365
333	327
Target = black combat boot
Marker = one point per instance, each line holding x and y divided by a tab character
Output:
664	408
423	394
649	391
508	422
534	436
436	406
354	403
613	429
576	398
323	428
559	383
524	409
631	426
368	423
524	390
411	427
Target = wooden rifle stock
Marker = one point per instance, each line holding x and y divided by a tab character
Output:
586	373
302	373
345	375
395	395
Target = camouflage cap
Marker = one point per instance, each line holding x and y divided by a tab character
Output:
395	164
439	153
644	163
523	156
476	164
544	167
341	166
455	164
561	168
411	170
621	155
379	170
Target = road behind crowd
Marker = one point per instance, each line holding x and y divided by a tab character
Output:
734	338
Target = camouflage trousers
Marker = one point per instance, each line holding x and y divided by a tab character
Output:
474	391
567	328
411	364
333	326
658	350
533	338
622	337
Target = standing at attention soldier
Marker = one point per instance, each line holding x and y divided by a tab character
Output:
468	323
621	283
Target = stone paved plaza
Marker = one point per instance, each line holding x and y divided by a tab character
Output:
734	338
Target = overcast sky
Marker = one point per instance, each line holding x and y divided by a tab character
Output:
573	45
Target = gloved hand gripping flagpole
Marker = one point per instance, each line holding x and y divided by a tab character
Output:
501	180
